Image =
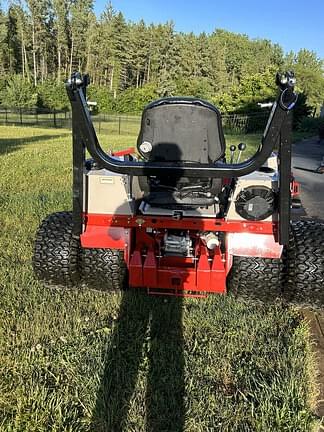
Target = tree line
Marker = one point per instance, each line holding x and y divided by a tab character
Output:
130	63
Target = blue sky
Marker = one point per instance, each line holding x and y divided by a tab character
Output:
293	24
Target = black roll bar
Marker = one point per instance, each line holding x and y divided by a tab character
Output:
277	131
84	130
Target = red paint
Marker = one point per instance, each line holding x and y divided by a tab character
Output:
203	273
150	270
177	274
126	152
201	224
218	273
295	188
136	270
104	237
254	245
174	293
181	279
206	271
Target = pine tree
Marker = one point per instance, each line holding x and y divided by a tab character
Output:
81	12
61	28
5	58
41	16
45	40
13	42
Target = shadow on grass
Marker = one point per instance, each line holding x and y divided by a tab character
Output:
9	145
148	334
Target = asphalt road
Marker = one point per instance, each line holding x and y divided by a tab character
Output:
307	156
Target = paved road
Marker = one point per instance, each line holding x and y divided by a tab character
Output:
307	156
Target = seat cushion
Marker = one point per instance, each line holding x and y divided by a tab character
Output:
181	129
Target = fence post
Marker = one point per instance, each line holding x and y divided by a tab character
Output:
6	111
119	124
54	117
20	114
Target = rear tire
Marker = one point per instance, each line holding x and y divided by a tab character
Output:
104	269
305	264
56	252
258	279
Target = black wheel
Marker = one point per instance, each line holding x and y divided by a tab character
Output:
305	264
257	279
103	269
56	252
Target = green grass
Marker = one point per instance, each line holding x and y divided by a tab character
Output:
81	360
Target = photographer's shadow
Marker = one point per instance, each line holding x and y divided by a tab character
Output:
148	331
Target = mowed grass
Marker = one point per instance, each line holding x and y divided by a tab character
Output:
82	360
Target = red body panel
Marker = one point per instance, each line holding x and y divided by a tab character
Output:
201	224
104	237
141	237
177	274
255	245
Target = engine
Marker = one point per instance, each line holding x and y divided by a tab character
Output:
177	244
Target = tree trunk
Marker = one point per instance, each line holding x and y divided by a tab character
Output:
34	56
66	65
59	63
42	69
88	64
71	57
137	78
148	70
26	64
22	55
112	78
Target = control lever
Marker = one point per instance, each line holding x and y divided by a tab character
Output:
241	148
232	150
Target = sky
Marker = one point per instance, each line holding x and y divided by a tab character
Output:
293	24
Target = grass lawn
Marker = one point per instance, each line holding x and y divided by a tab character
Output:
87	361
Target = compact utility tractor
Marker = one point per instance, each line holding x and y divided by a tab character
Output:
174	216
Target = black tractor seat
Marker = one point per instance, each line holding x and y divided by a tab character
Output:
181	130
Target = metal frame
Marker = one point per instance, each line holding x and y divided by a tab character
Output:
285	181
277	132
88	137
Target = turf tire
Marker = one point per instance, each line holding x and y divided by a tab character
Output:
305	264
256	279
103	269
56	252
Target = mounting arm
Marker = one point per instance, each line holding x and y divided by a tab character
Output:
84	131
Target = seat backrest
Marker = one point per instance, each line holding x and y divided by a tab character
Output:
181	129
